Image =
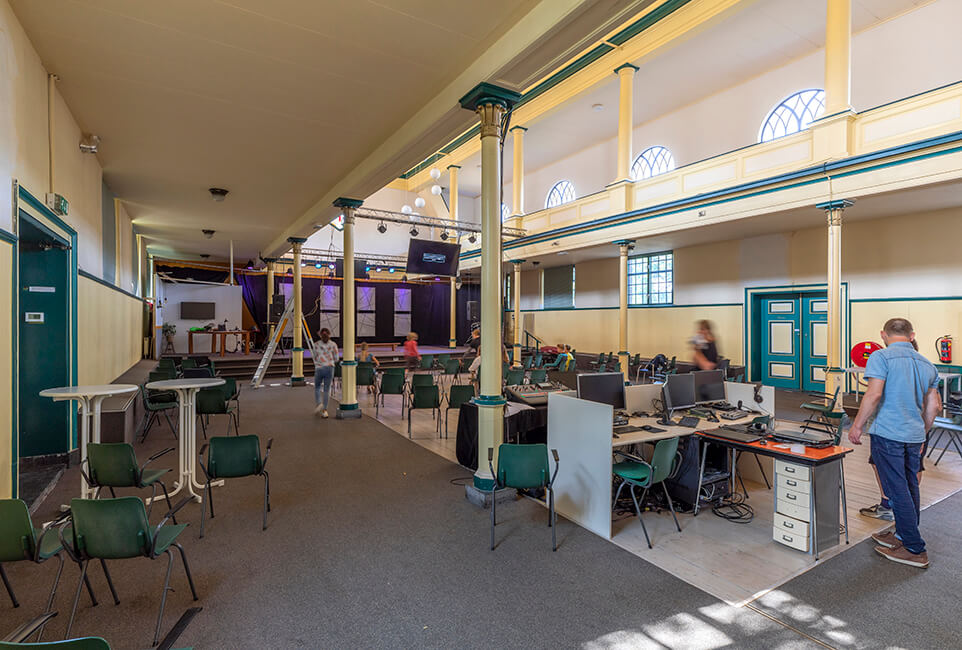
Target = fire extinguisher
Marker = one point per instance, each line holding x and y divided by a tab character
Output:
943	346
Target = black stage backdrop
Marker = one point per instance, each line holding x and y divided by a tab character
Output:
430	302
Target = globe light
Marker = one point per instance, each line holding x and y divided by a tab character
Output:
435	190
419	202
406	209
435	173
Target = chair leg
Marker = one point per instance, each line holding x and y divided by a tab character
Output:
53	592
153	495
933	443
76	599
163	487
409	420
617	495
494	502
6	583
110	582
638	511
552	520
267	497
190	578
671	506
90	590
170	423
206	499
236	424
203	427
163	596
112	493
145	426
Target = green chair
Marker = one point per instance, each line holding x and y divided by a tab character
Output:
234	457
526	364
538	360
636	472
425	397
457	395
338	376
157	402
600	361
818	412
210	401
538	376
514	377
114	465
17	638
168	362
114	529
200	372
422	379
452	368
231	390
365	374
427	362
20	541
524	467
443	359
188	362
162	374
391	384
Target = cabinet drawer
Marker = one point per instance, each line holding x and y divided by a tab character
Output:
800	499
789	525
792	483
793	510
799	542
798	472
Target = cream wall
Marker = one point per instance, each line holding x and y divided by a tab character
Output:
108	347
905	55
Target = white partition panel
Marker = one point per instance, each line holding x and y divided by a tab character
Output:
735	391
581	432
639	397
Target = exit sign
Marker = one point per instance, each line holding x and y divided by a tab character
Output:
57	203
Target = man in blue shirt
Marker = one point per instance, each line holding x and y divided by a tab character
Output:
898	408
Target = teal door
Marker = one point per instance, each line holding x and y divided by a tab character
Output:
814	342
781	353
44	340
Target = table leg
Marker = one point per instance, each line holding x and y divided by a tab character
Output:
247	343
841	469
213	343
190	342
813	516
85	490
701	475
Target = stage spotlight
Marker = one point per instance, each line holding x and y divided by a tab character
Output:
414	231
317	265
378	269
444	235
391	270
331	266
367	269
472	238
382	228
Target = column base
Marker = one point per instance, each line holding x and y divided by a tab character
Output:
297	381
348	412
481	497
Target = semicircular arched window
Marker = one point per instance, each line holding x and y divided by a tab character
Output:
651	162
562	192
794	114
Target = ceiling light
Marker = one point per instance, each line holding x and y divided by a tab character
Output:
419	202
208	233
436	190
381	228
435	173
406	209
444	235
217	193
597	107
472	238
562	252
414	231
89	143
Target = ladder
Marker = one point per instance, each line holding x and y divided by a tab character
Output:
275	341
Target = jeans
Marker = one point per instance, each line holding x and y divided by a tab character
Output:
898	466
323	376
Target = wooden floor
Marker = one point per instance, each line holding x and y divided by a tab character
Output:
736	563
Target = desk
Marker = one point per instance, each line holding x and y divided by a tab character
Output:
186	390
825	472
945	378
222	335
90	399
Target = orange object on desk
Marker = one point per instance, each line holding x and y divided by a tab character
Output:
813	454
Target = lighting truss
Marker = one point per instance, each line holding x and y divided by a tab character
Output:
326	256
430	222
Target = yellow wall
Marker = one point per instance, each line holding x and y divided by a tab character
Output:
108	347
6	370
931	319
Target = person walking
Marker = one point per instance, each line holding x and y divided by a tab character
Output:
412	357
705	346
897	409
325	356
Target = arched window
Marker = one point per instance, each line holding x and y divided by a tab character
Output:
562	192
651	162
505	212
794	114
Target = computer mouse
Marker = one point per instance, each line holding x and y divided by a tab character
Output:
762	442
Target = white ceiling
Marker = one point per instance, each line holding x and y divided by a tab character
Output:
749	40
275	100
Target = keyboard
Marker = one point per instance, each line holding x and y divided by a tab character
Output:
688	421
627	429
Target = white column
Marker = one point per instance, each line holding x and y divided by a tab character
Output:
833	212
297	353
517	184
453	338
838	56
623	358
453	191
348	407
626	78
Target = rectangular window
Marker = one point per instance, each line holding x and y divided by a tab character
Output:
558	287
651	279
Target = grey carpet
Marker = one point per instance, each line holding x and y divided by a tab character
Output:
861	600
371	545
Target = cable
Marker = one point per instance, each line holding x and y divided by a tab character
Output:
734	509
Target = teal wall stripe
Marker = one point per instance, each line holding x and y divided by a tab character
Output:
908	299
91	276
647	21
607	308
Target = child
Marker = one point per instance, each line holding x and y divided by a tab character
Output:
412	358
368	357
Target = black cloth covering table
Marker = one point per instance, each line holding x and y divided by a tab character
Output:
522	423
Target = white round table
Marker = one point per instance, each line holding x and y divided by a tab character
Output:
186	390
90	399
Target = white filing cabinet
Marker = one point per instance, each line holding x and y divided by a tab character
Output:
806	505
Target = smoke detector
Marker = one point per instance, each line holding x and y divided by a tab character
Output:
89	143
218	193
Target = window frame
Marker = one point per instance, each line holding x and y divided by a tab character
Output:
819	96
660	154
648	273
566	188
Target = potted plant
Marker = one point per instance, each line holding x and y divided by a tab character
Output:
169	330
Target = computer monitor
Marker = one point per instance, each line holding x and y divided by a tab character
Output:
679	391
603	387
709	386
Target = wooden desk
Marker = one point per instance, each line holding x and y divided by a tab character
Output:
222	335
818	463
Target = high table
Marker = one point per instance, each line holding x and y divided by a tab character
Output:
222	335
186	390
90	399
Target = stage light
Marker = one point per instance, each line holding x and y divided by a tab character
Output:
303	264
331	266
414	231
444	235
472	238
367	269
437	279
317	265
391	270
381	228
378	269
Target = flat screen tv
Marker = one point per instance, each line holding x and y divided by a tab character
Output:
197	311
432	257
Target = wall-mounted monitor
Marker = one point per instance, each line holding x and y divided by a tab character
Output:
432	257
197	311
